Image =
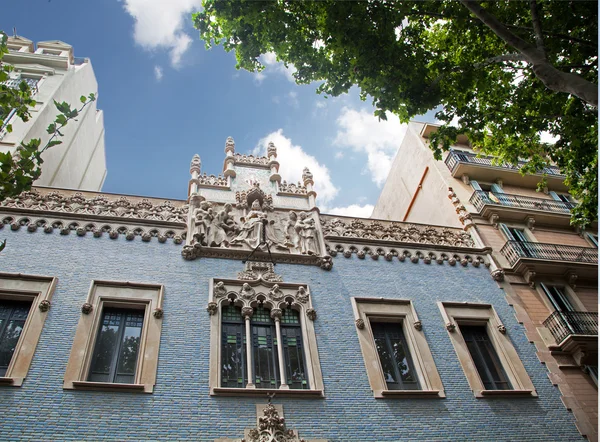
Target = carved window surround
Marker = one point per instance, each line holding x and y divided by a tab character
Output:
455	314
403	313
38	290
246	293
130	295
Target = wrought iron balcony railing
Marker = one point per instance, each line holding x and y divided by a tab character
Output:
454	158
564	324
515	250
481	198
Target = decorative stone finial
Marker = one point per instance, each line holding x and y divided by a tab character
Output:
271	150
306	175
196	164
229	145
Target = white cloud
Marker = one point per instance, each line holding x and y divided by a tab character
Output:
320	104
380	140
293	159
159	24
339	154
158	73
352	210
272	66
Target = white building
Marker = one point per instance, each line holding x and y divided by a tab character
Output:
53	73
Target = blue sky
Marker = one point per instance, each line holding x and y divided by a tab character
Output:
166	98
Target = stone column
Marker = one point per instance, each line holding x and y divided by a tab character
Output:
247	313
276	316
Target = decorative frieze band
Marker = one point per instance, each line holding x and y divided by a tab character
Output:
82	228
392	231
99	205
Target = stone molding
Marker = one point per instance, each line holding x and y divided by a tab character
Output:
475	259
95	213
378	231
97	229
250	160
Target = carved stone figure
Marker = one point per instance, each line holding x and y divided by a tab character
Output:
219	290
251	232
202	218
307	233
247	292
275	293
219	227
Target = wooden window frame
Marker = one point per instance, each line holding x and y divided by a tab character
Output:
35	289
127	295
466	313
399	311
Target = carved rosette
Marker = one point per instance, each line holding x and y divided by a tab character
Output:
360	324
502	329
87	308
326	263
498	275
44	305
451	327
212	308
311	313
418	325
158	313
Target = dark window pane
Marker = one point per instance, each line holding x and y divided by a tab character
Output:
13	315
262	315
293	350
117	346
265	356
233	356
129	348
395	359
485	357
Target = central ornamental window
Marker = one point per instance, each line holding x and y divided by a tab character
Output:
265	355
262	336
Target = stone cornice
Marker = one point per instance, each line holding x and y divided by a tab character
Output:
95	213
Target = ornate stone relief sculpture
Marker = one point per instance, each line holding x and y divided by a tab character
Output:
394	232
271	428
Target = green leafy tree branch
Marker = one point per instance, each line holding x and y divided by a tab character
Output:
503	73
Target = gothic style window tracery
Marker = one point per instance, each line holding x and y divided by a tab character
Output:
262	335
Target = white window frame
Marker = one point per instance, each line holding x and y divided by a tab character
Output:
39	290
128	295
455	314
402	312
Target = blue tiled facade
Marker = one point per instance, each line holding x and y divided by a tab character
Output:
180	407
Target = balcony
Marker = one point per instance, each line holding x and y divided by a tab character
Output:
518	207
484	168
551	259
575	333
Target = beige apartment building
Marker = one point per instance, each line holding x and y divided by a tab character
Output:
53	73
547	268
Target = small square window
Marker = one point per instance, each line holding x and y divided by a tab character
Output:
390	333
116	341
488	358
